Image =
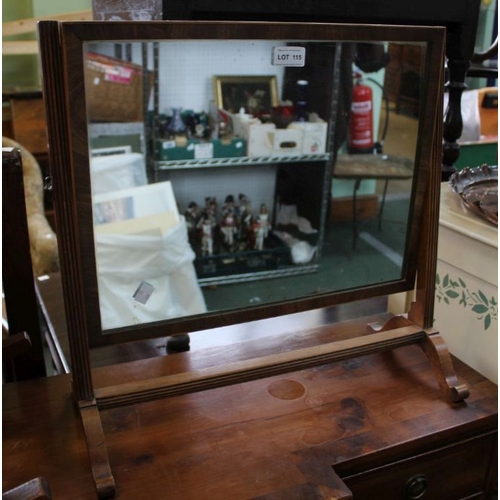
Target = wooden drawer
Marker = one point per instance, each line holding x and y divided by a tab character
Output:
28	124
453	472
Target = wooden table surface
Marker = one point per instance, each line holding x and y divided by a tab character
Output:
260	439
371	166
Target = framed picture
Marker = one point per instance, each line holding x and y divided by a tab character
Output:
256	94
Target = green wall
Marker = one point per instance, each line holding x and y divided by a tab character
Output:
18	70
23	70
487	20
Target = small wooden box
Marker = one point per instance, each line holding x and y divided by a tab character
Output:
341	207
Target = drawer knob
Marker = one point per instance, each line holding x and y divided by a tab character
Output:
416	487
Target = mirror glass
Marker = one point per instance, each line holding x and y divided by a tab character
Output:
230	174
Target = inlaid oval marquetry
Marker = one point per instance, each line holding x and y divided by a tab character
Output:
286	389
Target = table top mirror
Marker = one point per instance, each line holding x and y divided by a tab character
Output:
291	272
218	210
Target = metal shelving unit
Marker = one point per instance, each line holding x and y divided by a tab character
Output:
159	170
250	161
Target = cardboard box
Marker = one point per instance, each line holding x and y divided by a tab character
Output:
235	147
260	139
267	140
264	139
241	124
287	141
313	136
168	150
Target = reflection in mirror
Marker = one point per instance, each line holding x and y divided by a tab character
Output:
230	174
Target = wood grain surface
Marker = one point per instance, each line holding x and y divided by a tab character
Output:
272	438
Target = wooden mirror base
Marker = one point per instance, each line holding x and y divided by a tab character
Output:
98	453
436	350
389	334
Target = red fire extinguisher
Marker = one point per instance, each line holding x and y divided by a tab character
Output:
361	120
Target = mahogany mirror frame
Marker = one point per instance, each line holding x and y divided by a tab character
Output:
76	173
61	45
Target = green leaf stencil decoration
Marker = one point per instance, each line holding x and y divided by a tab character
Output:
448	289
